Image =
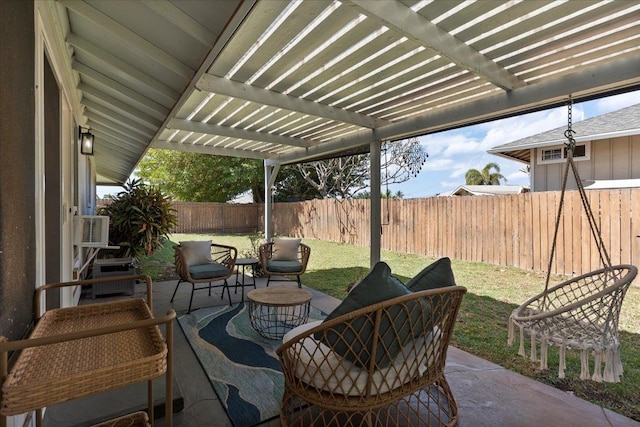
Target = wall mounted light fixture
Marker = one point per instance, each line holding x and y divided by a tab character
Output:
86	141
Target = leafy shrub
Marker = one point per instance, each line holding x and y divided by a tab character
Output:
256	239
140	219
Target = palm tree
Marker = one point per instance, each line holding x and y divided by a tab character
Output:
484	177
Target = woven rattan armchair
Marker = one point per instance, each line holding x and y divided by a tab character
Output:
380	365
219	267
282	268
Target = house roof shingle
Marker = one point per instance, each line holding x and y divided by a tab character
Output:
616	123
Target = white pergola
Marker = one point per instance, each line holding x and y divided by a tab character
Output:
288	81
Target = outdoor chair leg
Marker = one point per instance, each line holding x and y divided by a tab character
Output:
193	288
210	289
226	286
299	283
175	290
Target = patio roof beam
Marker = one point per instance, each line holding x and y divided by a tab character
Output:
116	66
129	38
113	159
115	168
113	180
222	86
394	14
125	138
95	110
114	141
95	119
356	140
135	99
117	105
186	23
208	149
230	132
598	81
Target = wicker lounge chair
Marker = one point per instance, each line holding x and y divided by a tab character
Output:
217	264
379	365
292	262
580	314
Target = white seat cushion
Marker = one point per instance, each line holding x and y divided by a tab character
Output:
322	368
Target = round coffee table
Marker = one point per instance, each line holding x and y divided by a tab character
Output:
275	311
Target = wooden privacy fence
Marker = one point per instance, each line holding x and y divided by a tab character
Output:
512	230
217	217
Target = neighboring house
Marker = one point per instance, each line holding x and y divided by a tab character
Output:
607	152
486	190
244	198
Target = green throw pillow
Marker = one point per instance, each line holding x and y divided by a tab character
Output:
354	339
434	276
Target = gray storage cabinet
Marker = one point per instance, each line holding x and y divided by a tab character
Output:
112	267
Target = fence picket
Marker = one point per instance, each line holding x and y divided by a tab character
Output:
505	230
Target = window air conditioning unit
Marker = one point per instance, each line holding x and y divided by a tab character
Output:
91	231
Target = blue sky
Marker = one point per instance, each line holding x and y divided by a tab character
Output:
453	153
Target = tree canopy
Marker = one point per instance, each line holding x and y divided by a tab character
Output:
346	177
201	178
205	178
485	176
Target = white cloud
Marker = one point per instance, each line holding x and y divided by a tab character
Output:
514	128
453	153
439	142
450	185
469	146
517	177
612	103
438	164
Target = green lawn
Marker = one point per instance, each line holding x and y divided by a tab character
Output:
493	293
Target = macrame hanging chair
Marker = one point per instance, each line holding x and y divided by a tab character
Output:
581	313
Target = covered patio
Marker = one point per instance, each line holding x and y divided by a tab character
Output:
284	82
292	81
487	394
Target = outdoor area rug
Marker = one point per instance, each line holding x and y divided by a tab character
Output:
241	365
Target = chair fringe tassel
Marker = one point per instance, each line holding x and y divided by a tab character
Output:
611	372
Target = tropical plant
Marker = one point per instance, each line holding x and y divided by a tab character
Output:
140	219
485	176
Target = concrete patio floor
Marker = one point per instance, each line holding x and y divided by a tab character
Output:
487	394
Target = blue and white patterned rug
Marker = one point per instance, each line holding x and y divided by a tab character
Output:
241	365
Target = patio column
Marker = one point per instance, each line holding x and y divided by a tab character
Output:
270	173
376	216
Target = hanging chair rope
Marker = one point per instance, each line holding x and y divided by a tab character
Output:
570	146
580	313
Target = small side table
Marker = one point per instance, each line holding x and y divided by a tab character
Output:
244	263
275	311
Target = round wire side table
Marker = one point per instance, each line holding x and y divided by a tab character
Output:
275	311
